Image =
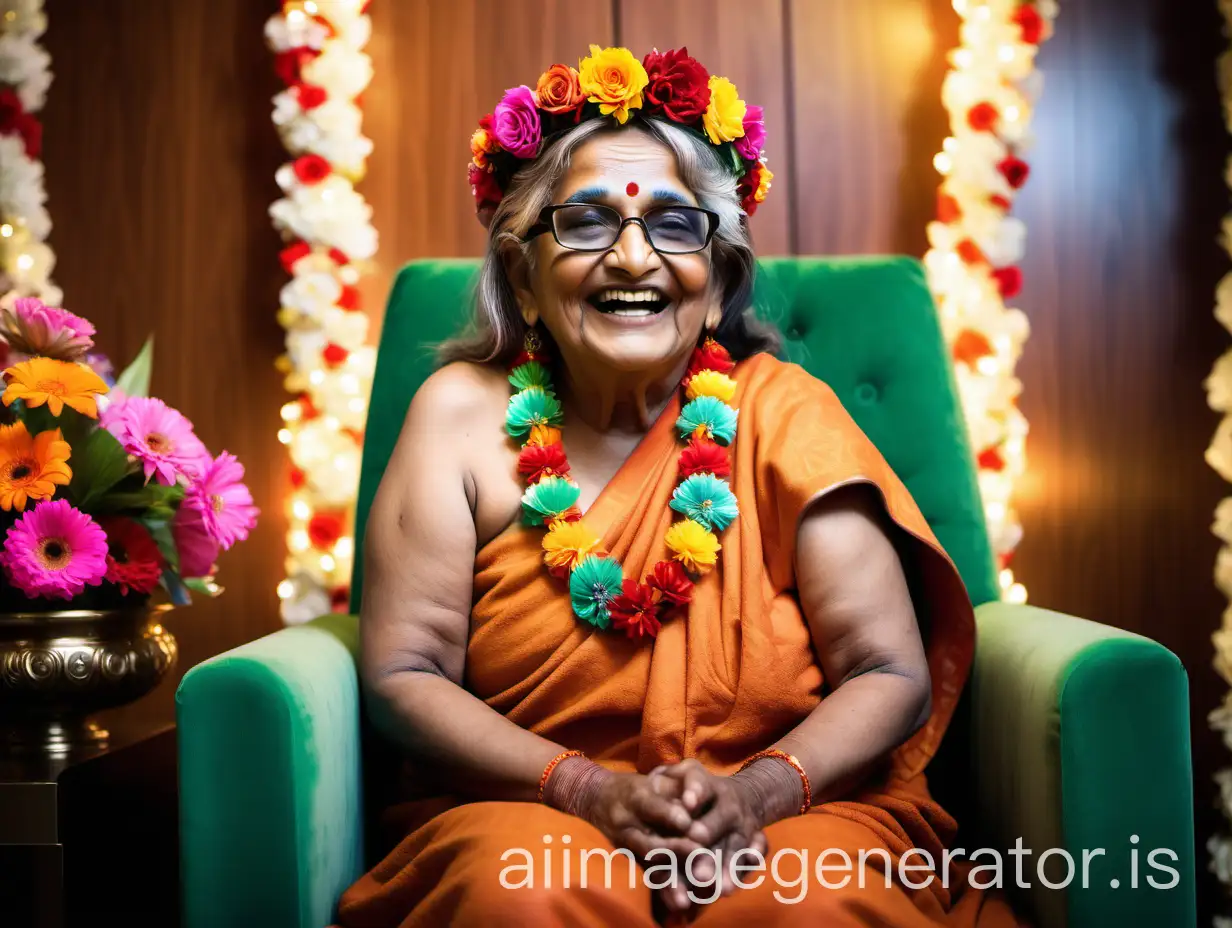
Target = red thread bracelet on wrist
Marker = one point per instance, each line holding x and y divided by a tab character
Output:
547	771
795	765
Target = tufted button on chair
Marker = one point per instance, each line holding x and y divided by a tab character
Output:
1069	735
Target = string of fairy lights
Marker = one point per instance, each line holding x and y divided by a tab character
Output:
976	245
330	241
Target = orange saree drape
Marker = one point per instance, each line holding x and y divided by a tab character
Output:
719	684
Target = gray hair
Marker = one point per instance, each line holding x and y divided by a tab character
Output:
496	329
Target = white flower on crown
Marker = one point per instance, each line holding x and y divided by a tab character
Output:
342	71
24	65
284	33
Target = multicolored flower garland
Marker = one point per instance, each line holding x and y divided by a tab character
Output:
26	260
976	246
328	227
611	83
600	593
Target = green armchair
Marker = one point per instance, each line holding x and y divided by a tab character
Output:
1072	735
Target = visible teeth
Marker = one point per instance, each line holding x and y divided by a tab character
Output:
631	312
629	296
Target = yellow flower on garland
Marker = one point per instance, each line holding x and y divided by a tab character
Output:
566	545
711	383
614	79
56	383
31	467
692	545
543	435
724	117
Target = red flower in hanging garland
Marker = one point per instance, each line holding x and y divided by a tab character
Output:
701	456
334	355
324	530
292	254
538	461
339	257
348	299
1027	17
289	65
1009	281
634	610
983	117
991	459
970	346
297	478
31	132
339	598
310	96
671	583
307	408
710	355
311	169
1014	170
999	201
970	252
948	210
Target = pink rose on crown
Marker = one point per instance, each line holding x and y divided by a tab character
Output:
750	145
515	123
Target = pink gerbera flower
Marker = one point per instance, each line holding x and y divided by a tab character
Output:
225	503
197	548
55	551
157	436
33	328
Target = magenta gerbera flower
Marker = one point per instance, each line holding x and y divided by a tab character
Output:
198	549
54	550
225	503
157	436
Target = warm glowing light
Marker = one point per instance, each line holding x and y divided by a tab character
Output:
310	8
1006	578
345	547
295	17
1006	53
1016	594
317	377
356	404
963	58
299	540
25	262
284	436
950	145
328	563
301	510
6	230
1012	113
286	589
943	163
988	366
292	412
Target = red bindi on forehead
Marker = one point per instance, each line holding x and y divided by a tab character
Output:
632	189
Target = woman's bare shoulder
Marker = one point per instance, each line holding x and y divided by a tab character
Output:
458	395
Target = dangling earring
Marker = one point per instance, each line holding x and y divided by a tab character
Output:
531	342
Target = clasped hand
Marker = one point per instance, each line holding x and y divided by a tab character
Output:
682	808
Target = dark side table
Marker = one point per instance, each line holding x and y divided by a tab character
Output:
93	840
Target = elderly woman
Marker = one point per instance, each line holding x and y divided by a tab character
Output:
658	677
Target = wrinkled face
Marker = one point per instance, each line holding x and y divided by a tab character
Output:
629	308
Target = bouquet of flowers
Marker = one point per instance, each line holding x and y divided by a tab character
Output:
107	497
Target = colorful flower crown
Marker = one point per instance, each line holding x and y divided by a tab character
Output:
670	86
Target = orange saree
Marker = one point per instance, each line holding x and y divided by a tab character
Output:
719	684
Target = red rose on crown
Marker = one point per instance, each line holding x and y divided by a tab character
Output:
679	85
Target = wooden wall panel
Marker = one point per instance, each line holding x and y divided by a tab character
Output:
866	80
160	158
440	67
744	42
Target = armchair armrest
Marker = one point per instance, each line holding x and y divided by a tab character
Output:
1080	737
271	823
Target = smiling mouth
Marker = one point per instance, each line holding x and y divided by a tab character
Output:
648	301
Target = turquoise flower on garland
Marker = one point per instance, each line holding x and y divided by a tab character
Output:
531	374
715	418
706	499
593	585
547	499
530	407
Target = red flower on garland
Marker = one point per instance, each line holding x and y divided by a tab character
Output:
524	356
679	86
983	117
746	190
297	478
710	355
1032	24
310	96
307	408
339	598
538	461
339	257
634	611
970	346
999	201
948	210
991	459
572	514
1009	281
10	111
671	583
702	456
311	169
134	563
334	355
970	252
31	132
1015	171
349	298
293	253
324	530
289	64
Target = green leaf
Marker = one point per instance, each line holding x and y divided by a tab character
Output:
135	381
98	463
160	531
153	501
177	588
203	585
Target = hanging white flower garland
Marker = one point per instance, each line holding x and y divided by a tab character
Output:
26	261
976	246
327	224
1219	457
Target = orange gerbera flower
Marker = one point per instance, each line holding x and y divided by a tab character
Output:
31	467
56	383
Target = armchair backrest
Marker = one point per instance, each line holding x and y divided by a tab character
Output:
866	326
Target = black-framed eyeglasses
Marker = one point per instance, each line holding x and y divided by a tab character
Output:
670	230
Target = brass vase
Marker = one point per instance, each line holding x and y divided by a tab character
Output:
58	668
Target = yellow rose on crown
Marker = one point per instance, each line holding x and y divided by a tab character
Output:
724	117
614	79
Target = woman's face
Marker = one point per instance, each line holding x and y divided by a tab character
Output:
630	308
